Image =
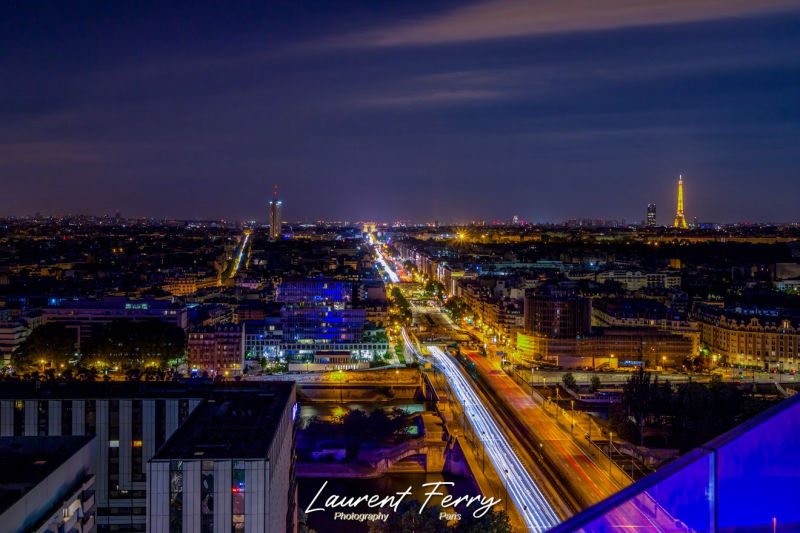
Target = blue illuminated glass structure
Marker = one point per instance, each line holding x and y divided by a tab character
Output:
322	325
314	292
747	480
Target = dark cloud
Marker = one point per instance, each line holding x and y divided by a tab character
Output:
197	113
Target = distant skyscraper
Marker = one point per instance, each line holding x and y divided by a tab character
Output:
275	216
680	220
651	215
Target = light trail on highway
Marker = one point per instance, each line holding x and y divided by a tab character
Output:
393	277
523	491
241	254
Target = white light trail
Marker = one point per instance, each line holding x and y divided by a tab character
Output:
523	491
241	254
393	277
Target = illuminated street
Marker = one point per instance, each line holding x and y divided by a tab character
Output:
523	491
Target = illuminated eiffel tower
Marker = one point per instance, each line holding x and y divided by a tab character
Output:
680	220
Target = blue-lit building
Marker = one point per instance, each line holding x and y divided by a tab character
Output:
315	292
747	480
322	325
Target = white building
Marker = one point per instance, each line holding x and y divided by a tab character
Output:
229	468
47	484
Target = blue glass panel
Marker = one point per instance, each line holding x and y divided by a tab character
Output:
746	481
679	502
759	476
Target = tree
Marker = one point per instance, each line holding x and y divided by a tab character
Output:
569	380
50	344
639	399
434	288
595	383
491	522
408	518
457	307
130	344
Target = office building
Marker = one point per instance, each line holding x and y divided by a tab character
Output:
314	292
47	484
557	314
131	420
262	338
275	205
13	333
651	215
608	347
637	280
322	325
229	468
83	314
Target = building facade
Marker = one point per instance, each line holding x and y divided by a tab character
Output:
47	484
558	315
130	420
314	292
229	468
651	215
83	314
275	207
217	349
612	347
769	342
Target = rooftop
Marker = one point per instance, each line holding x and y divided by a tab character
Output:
231	424
26	461
186	388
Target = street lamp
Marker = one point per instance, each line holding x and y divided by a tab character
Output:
572	409
532	369
505	486
610	440
483	454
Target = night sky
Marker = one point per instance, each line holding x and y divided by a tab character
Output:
547	109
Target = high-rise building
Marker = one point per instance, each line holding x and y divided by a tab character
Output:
651	215
131	422
275	216
680	219
314	292
229	467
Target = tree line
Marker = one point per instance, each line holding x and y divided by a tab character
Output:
401	307
658	414
121	344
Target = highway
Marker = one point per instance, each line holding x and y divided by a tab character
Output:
240	255
586	481
587	478
393	277
523	491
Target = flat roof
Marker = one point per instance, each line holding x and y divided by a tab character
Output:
231	424
26	461
88	390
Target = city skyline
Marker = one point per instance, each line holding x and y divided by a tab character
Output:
416	111
508	266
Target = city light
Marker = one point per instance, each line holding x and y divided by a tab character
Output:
523	491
